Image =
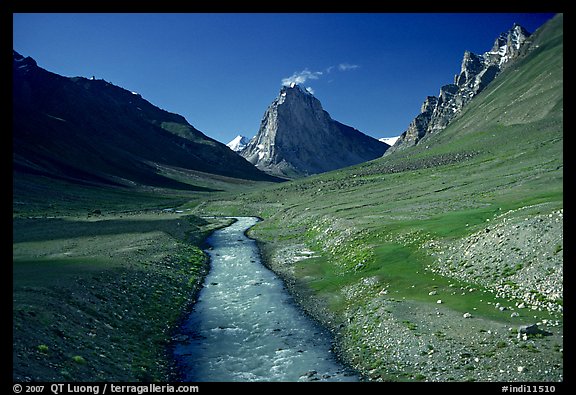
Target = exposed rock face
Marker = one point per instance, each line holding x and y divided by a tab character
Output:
297	138
419	125
476	72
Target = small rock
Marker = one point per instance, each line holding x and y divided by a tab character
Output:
529	329
467	315
439	301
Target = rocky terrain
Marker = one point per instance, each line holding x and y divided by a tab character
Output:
412	340
518	258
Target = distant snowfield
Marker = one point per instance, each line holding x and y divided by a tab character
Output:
389	140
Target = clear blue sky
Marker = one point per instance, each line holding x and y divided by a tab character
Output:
221	71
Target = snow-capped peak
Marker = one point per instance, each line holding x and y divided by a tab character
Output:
238	143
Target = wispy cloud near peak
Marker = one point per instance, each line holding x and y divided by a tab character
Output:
301	77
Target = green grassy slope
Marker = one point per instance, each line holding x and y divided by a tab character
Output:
99	298
467	221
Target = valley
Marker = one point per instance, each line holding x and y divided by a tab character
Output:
431	263
426	263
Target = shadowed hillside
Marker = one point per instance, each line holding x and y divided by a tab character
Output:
91	131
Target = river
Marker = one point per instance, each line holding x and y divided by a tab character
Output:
245	326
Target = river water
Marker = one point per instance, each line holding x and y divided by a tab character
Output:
246	327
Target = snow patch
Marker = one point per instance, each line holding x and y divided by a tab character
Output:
238	143
389	140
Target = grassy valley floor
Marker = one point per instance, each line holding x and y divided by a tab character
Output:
442	262
425	268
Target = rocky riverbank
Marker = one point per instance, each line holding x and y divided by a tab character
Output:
387	337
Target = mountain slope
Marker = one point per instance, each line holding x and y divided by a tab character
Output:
90	131
297	137
426	263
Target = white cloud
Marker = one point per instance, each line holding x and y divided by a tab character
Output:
347	66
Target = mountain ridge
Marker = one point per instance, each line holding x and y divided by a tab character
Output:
476	72
91	131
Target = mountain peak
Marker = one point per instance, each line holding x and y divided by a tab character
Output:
297	137
21	62
295	88
508	44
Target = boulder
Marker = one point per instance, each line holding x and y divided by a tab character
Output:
532	329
